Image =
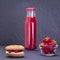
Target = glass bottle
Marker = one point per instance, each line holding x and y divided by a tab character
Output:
30	29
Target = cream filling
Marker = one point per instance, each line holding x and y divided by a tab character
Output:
14	52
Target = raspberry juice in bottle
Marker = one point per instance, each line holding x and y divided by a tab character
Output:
30	29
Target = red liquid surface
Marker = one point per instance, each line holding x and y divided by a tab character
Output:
30	33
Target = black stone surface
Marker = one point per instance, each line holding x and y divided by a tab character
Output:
13	15
29	55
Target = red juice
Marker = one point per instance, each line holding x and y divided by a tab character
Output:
30	29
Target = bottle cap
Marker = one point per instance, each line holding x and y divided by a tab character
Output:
30	9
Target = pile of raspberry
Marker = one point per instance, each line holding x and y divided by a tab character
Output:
48	45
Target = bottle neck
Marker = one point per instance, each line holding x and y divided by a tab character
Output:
31	13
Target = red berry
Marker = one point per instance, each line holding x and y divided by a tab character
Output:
46	51
51	49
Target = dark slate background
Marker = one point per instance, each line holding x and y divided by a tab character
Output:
13	14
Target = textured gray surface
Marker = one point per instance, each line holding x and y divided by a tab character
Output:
12	18
29	55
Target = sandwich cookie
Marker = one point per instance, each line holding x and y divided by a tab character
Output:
15	50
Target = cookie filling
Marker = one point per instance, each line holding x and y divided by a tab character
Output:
15	51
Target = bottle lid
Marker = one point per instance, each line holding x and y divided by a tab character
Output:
30	9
